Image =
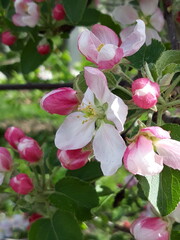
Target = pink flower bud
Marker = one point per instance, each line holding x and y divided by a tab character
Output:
34	217
60	101
43	49
145	93
21	184
5	160
73	159
13	135
147	228
8	38
58	12
29	149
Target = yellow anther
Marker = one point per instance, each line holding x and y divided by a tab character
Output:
100	46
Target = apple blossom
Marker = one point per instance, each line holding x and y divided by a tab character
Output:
150	13
150	228
58	12
100	117
60	101
145	93
103	47
175	215
150	149
43	49
8	38
13	136
27	13
21	184
73	159
29	149
5	160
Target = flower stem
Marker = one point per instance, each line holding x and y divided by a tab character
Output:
124	90
159	117
171	87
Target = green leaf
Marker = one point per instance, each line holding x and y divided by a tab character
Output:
174	130
80	83
148	54
168	57
106	20
112	82
89	172
30	58
162	190
74	9
90	17
175	235
63	202
62	226
81	192
5	3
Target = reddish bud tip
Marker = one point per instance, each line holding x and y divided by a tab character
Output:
8	38
43	49
13	136
21	184
58	12
5	160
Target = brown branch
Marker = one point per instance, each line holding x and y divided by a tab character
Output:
170	23
32	86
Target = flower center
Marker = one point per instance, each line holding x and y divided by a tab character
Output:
100	46
88	111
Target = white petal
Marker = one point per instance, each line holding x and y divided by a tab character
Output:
133	38
151	34
125	14
148	7
169	149
75	132
117	111
1	178
108	148
157	20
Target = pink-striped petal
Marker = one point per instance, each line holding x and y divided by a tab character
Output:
125	14
75	132
133	38
141	159
105	34
169	149
157	20
108	148
157	132
148	7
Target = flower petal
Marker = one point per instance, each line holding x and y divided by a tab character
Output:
141	159
133	38
75	132
125	14
157	132
108	148
109	56
88	44
96	81
17	20
148	7
2	175
117	111
157	20
105	34
169	150
151	34
176	213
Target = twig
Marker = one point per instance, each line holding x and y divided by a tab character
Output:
32	86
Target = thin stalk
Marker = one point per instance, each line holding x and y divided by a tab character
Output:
159	117
124	90
125	77
173	85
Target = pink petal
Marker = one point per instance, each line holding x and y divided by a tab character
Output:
105	34
157	132
96	81
176	213
150	228
17	20
141	159
157	20
148	7
29	21
169	149
117	111
108	148
151	34
88	44
75	132
109	56
60	101
125	14
133	38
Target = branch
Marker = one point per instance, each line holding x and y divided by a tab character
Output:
170	23
32	86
